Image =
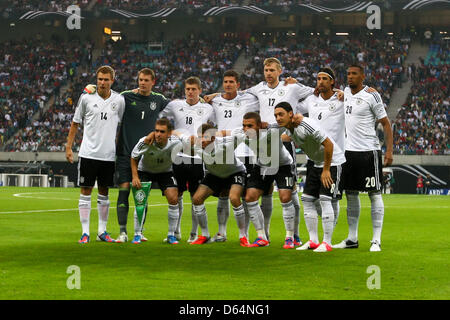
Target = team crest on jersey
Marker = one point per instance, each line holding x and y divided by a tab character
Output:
153	106
359	101
200	112
281	92
332	107
237	103
113	106
81	179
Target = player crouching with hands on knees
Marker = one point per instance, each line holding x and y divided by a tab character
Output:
225	174
153	162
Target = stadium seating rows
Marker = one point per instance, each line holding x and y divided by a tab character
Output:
31	74
382	57
421	126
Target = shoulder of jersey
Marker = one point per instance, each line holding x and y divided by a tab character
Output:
127	92
157	94
310	124
176	102
375	95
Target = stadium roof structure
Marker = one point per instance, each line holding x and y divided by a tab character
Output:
183	11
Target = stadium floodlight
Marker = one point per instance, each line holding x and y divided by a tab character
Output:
342	33
107	30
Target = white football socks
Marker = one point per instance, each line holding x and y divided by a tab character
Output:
223	212
173	218
336	208
311	217
239	214
377	213
327	218
202	218
103	212
288	218
84	209
353	212
257	218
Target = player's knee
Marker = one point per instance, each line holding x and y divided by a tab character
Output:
235	201
285	196
172	200
197	200
251	197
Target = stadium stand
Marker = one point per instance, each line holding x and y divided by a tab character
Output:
173	64
382	57
421	126
31	74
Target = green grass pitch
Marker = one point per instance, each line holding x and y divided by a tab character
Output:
39	230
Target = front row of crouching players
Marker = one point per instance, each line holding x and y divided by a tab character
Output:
227	173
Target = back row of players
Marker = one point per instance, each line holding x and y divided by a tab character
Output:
338	138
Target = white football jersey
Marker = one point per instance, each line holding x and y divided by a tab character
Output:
219	157
268	98
309	136
100	119
229	114
155	159
362	110
187	119
268	147
330	115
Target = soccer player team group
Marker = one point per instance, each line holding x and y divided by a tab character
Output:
235	145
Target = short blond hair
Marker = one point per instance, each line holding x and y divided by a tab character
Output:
272	60
106	69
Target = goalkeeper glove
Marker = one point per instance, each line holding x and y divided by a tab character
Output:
90	89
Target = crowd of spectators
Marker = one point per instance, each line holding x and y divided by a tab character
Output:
172	65
204	57
31	74
421	126
382	57
27	82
